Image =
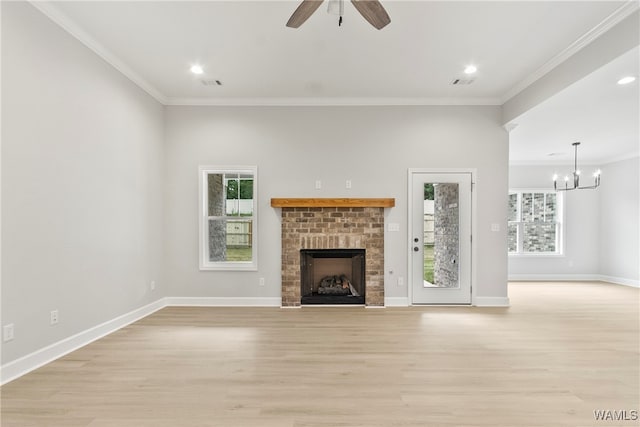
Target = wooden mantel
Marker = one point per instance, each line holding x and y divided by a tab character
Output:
332	203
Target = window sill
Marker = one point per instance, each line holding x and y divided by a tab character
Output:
229	266
534	255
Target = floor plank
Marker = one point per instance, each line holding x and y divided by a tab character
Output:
561	351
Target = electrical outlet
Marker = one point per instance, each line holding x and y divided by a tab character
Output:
400	281
318	184
153	285
261	281
54	317
7	332
348	184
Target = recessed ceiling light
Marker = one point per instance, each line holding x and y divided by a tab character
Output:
626	80
470	69
197	69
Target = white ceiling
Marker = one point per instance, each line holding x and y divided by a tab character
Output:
246	46
602	115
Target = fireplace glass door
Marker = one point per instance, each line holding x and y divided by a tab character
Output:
332	276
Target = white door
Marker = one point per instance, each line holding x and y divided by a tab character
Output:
440	250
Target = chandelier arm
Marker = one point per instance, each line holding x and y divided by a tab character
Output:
576	175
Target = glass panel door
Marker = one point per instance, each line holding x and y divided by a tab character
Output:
441	242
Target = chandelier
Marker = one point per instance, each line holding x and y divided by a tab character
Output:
576	176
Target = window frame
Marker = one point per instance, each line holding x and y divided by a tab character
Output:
203	201
559	221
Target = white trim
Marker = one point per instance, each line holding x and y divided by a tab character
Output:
620	158
574	278
554	278
474	223
396	301
38	358
205	265
619	281
491	302
223	301
71	27
329	101
565	162
608	23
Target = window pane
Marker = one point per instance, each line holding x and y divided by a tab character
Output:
246	189
538	207
539	237
550	207
513	207
239	240
512	237
217	240
230	240
215	194
527	207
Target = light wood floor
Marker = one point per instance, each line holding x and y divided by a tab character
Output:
557	354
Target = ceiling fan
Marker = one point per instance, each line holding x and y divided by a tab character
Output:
371	10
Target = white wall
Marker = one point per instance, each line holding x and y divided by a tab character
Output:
82	164
602	232
293	146
581	228
620	221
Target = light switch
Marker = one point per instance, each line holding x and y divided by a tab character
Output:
495	227
318	184
393	226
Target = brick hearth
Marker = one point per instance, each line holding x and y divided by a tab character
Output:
333	228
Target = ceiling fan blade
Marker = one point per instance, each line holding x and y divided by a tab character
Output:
373	12
303	12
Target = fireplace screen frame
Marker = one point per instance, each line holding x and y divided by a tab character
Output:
309	277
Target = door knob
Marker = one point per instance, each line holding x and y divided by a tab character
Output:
416	249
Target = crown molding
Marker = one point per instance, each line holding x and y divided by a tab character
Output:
569	163
330	101
621	158
566	163
608	23
66	23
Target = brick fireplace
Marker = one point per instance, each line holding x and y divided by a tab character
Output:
309	224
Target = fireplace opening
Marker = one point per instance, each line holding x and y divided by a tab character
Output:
332	276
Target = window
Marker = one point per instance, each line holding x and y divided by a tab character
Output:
535	220
228	218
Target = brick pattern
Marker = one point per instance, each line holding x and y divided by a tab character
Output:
333	228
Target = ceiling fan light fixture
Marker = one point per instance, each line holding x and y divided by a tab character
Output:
335	7
371	10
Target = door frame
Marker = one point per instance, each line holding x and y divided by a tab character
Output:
410	205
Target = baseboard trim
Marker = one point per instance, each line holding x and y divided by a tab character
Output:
554	277
41	357
574	278
491	302
224	301
396	302
620	281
